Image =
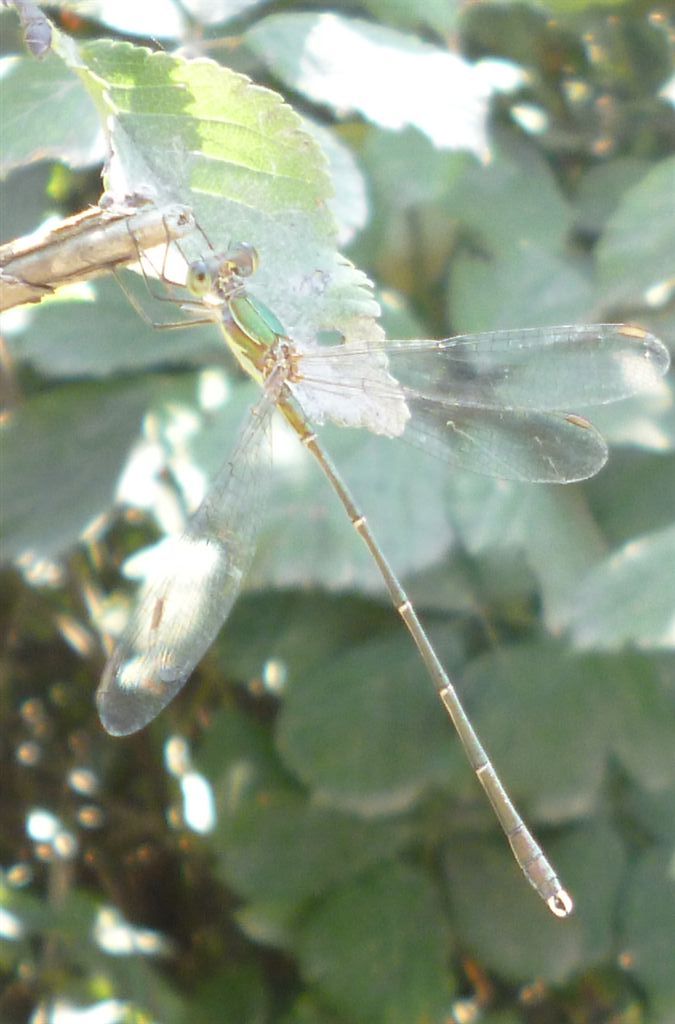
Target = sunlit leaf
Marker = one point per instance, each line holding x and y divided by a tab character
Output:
355	872
392	79
161	18
241	160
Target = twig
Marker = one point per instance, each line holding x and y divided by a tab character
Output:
90	243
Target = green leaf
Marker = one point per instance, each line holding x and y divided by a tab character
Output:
528	287
23	200
274	844
377	949
629	598
63	452
654	812
237	994
513	201
46	115
393	160
237	749
294	629
349	205
309	1010
239	157
637	249
389	77
483	887
552	526
97	333
366	729
601	190
648	939
278	846
439	15
401	493
553	722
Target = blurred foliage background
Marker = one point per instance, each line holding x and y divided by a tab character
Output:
297	838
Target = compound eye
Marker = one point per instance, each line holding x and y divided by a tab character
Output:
244	259
199	278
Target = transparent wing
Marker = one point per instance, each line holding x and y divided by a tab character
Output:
186	600
522	445
543	369
492	403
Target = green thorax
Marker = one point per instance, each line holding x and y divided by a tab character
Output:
250	329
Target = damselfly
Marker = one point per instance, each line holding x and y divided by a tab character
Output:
489	402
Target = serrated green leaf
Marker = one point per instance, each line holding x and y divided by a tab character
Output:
46	115
377	948
238	156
